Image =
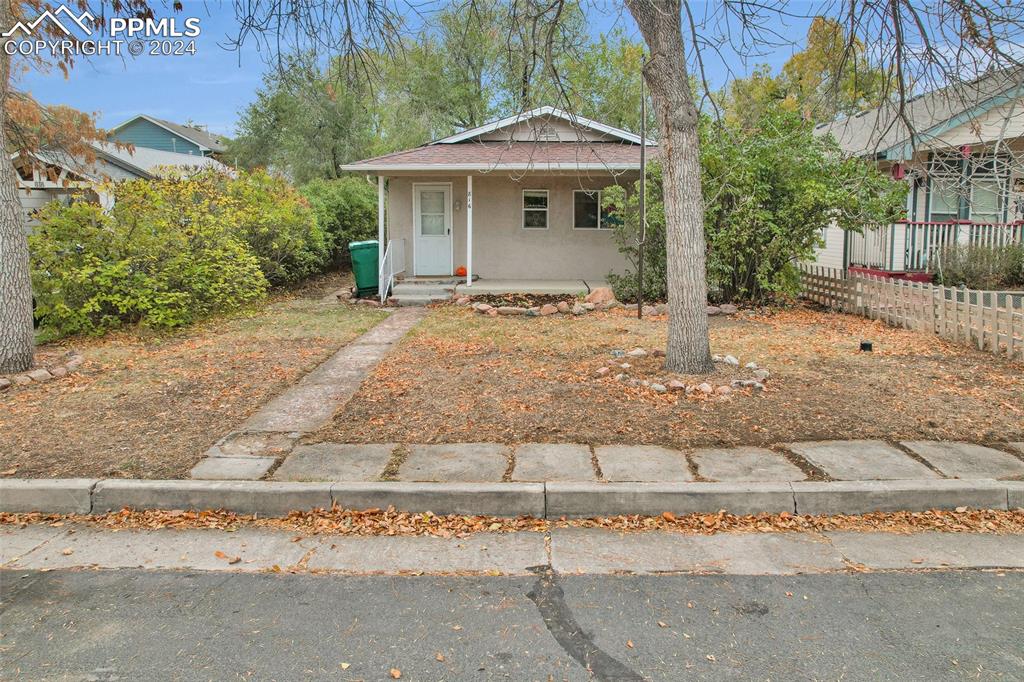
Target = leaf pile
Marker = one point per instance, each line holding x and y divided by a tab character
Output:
377	522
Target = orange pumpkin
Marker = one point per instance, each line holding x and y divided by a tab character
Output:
460	271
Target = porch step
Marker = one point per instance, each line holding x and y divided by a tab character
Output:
418	300
422	289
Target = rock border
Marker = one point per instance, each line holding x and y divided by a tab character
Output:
620	359
72	361
564	309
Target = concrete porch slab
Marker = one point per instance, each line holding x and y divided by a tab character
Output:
967	460
529	286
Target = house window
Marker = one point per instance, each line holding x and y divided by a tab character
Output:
944	199
535	209
587	213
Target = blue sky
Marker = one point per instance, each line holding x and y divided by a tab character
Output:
212	86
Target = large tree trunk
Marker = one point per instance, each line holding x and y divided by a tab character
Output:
16	334
689	349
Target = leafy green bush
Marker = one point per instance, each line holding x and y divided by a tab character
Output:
92	271
279	226
980	267
346	209
768	194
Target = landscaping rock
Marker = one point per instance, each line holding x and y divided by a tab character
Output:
761	374
675	385
21	379
371	302
39	375
600	295
533	312
621	376
661	309
650	310
758	387
511	310
657	353
5	383
625	365
728	309
59	371
588	306
562	307
578	309
730	360
658	388
74	362
602	371
547	309
618	353
637	353
723	390
483	308
705	388
464	300
612	305
750	365
714	310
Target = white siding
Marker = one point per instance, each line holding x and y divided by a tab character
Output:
831	255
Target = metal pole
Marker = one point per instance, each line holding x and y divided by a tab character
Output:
643	202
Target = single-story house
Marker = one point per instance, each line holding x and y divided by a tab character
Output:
156	133
962	161
55	176
513	200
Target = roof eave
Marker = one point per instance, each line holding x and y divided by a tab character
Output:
488	167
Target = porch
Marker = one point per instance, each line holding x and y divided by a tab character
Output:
910	247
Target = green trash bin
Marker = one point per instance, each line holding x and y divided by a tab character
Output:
365	267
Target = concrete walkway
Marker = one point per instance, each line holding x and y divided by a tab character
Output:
858	460
250	451
565	550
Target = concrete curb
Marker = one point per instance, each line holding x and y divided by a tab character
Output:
550	500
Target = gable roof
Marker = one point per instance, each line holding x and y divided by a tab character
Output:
143	162
883	133
576	121
207	142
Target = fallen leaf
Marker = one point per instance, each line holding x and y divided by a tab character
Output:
439	656
396	673
629	643
456	627
662	624
710	658
345	666
9	472
68	552
689	604
668	516
917	561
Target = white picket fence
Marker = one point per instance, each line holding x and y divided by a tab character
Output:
988	320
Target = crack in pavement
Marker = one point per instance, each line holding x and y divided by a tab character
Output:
549	598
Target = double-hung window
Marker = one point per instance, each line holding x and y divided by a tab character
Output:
535	209
587	213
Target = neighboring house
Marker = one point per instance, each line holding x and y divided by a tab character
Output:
962	159
154	133
49	176
516	199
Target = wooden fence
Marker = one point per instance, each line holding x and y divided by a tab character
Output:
987	320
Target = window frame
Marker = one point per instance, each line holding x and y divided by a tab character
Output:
600	212
523	209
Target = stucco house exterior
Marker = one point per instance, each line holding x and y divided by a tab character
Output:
963	161
511	201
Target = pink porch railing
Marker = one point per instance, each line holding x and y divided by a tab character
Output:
911	245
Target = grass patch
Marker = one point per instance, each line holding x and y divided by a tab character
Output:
147	405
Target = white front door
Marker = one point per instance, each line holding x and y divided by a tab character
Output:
432	215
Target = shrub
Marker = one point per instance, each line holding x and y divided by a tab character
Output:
279	226
768	194
346	209
980	267
92	271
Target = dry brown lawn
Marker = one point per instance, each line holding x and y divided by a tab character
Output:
465	377
148	405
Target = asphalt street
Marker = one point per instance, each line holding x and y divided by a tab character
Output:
132	624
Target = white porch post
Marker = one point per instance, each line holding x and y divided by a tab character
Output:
469	230
380	214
